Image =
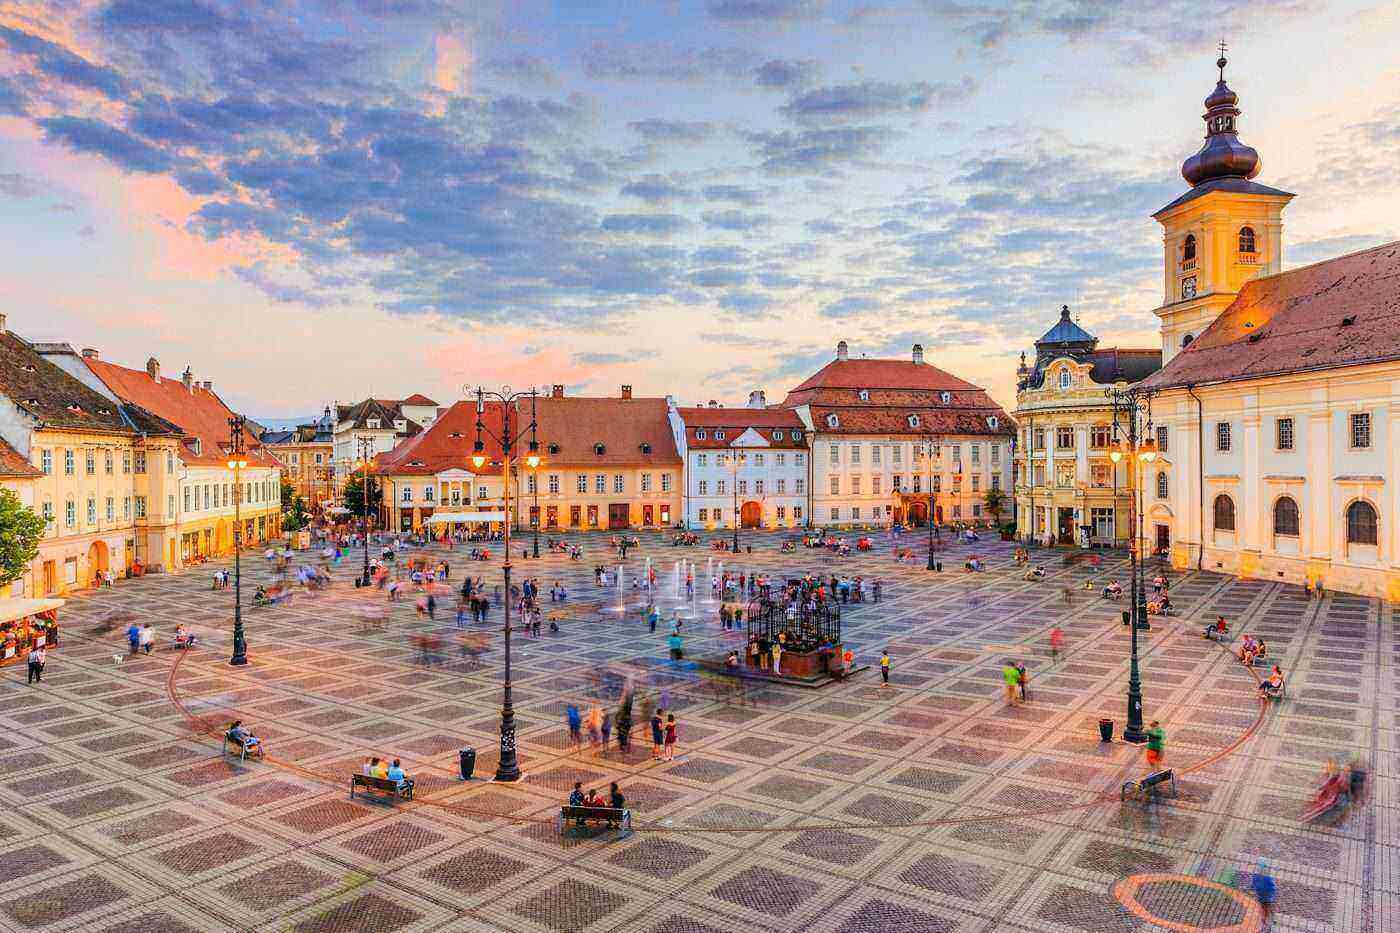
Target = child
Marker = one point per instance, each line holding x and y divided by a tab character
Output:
670	738
1156	744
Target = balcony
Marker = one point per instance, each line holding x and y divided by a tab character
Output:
1249	259
1188	265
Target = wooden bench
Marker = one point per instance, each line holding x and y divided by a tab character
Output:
252	748
1278	694
1148	785
611	815
403	789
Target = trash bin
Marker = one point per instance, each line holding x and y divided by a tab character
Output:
1127	617
466	762
939	566
1105	730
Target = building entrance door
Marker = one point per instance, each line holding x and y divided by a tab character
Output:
1065	525
648	514
918	514
618	515
751	514
1164	538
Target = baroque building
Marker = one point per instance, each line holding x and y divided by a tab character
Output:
895	441
1068	490
1278	409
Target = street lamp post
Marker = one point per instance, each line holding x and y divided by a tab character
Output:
535	507
1136	445
509	767
932	500
237	461
734	482
366	447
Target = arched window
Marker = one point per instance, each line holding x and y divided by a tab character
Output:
1064	378
1362	524
1186	341
1224	513
1286	517
1163	488
1247	240
1188	247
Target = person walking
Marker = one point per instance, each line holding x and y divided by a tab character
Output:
1022	680
1057	643
607	732
885	668
1010	678
575	721
670	736
133	637
36	658
1156	744
777	658
148	638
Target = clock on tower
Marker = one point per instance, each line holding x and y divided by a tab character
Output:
1188	287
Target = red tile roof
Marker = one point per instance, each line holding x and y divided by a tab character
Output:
875	419
418	398
735	421
878	374
572	424
12	463
1341	312
197	411
46	393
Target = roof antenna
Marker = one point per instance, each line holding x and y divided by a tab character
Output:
1221	62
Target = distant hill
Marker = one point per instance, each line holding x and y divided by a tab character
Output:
283	424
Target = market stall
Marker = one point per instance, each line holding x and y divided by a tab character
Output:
25	624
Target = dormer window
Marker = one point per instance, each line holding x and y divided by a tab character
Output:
832	421
455	434
913	422
646	448
554	448
1065	378
777	435
104	411
373	422
797	435
75	408
945	397
719	435
699	434
599	449
992	422
400	425
864	395
198	447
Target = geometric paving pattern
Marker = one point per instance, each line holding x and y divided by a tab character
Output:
927	806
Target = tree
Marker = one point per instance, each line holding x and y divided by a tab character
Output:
288	494
355	496
20	530
296	518
995	502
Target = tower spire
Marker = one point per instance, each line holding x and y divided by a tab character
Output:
1222	61
1223	155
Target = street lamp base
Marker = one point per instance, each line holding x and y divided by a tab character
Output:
1134	736
238	660
512	776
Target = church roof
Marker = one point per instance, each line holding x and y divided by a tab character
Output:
1341	312
1228	185
1066	331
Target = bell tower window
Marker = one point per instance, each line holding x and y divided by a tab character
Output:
1188	249
1247	244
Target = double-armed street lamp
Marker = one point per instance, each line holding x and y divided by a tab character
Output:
736	460
363	465
1132	429
237	462
509	767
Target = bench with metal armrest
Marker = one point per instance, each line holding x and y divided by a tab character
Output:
389	786
246	745
613	816
1147	787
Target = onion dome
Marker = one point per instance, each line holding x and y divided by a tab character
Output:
1223	155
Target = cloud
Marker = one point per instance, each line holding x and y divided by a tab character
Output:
757	10
654	224
846	102
66	66
719	277
735	220
158	16
522	67
721	255
654	189
257	276
12	99
605	358
87	231
737	194
785	74
662	62
746	304
849	306
672	131
119	147
816	150
15	185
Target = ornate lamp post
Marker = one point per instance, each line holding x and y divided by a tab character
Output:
366	448
1136	445
509	767
735	461
237	462
928	447
535	507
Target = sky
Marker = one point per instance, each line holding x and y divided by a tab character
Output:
316	200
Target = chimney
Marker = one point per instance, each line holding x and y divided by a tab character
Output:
841	350
757	399
2	322
556	391
188	379
153	368
90	354
713	404
626	391
208	386
918	353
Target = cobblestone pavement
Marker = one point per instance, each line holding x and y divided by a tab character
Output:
928	806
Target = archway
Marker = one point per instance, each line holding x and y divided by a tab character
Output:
223	537
918	513
751	514
97	559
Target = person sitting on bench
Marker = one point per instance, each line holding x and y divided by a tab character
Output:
395	773
616	801
1273	686
369	768
242	736
732	660
1113	590
1216	630
576	798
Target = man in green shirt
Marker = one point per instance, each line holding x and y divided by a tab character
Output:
1011	676
1156	743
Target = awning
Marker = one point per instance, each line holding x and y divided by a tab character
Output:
448	518
338	510
12	609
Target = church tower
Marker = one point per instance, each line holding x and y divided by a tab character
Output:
1223	232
